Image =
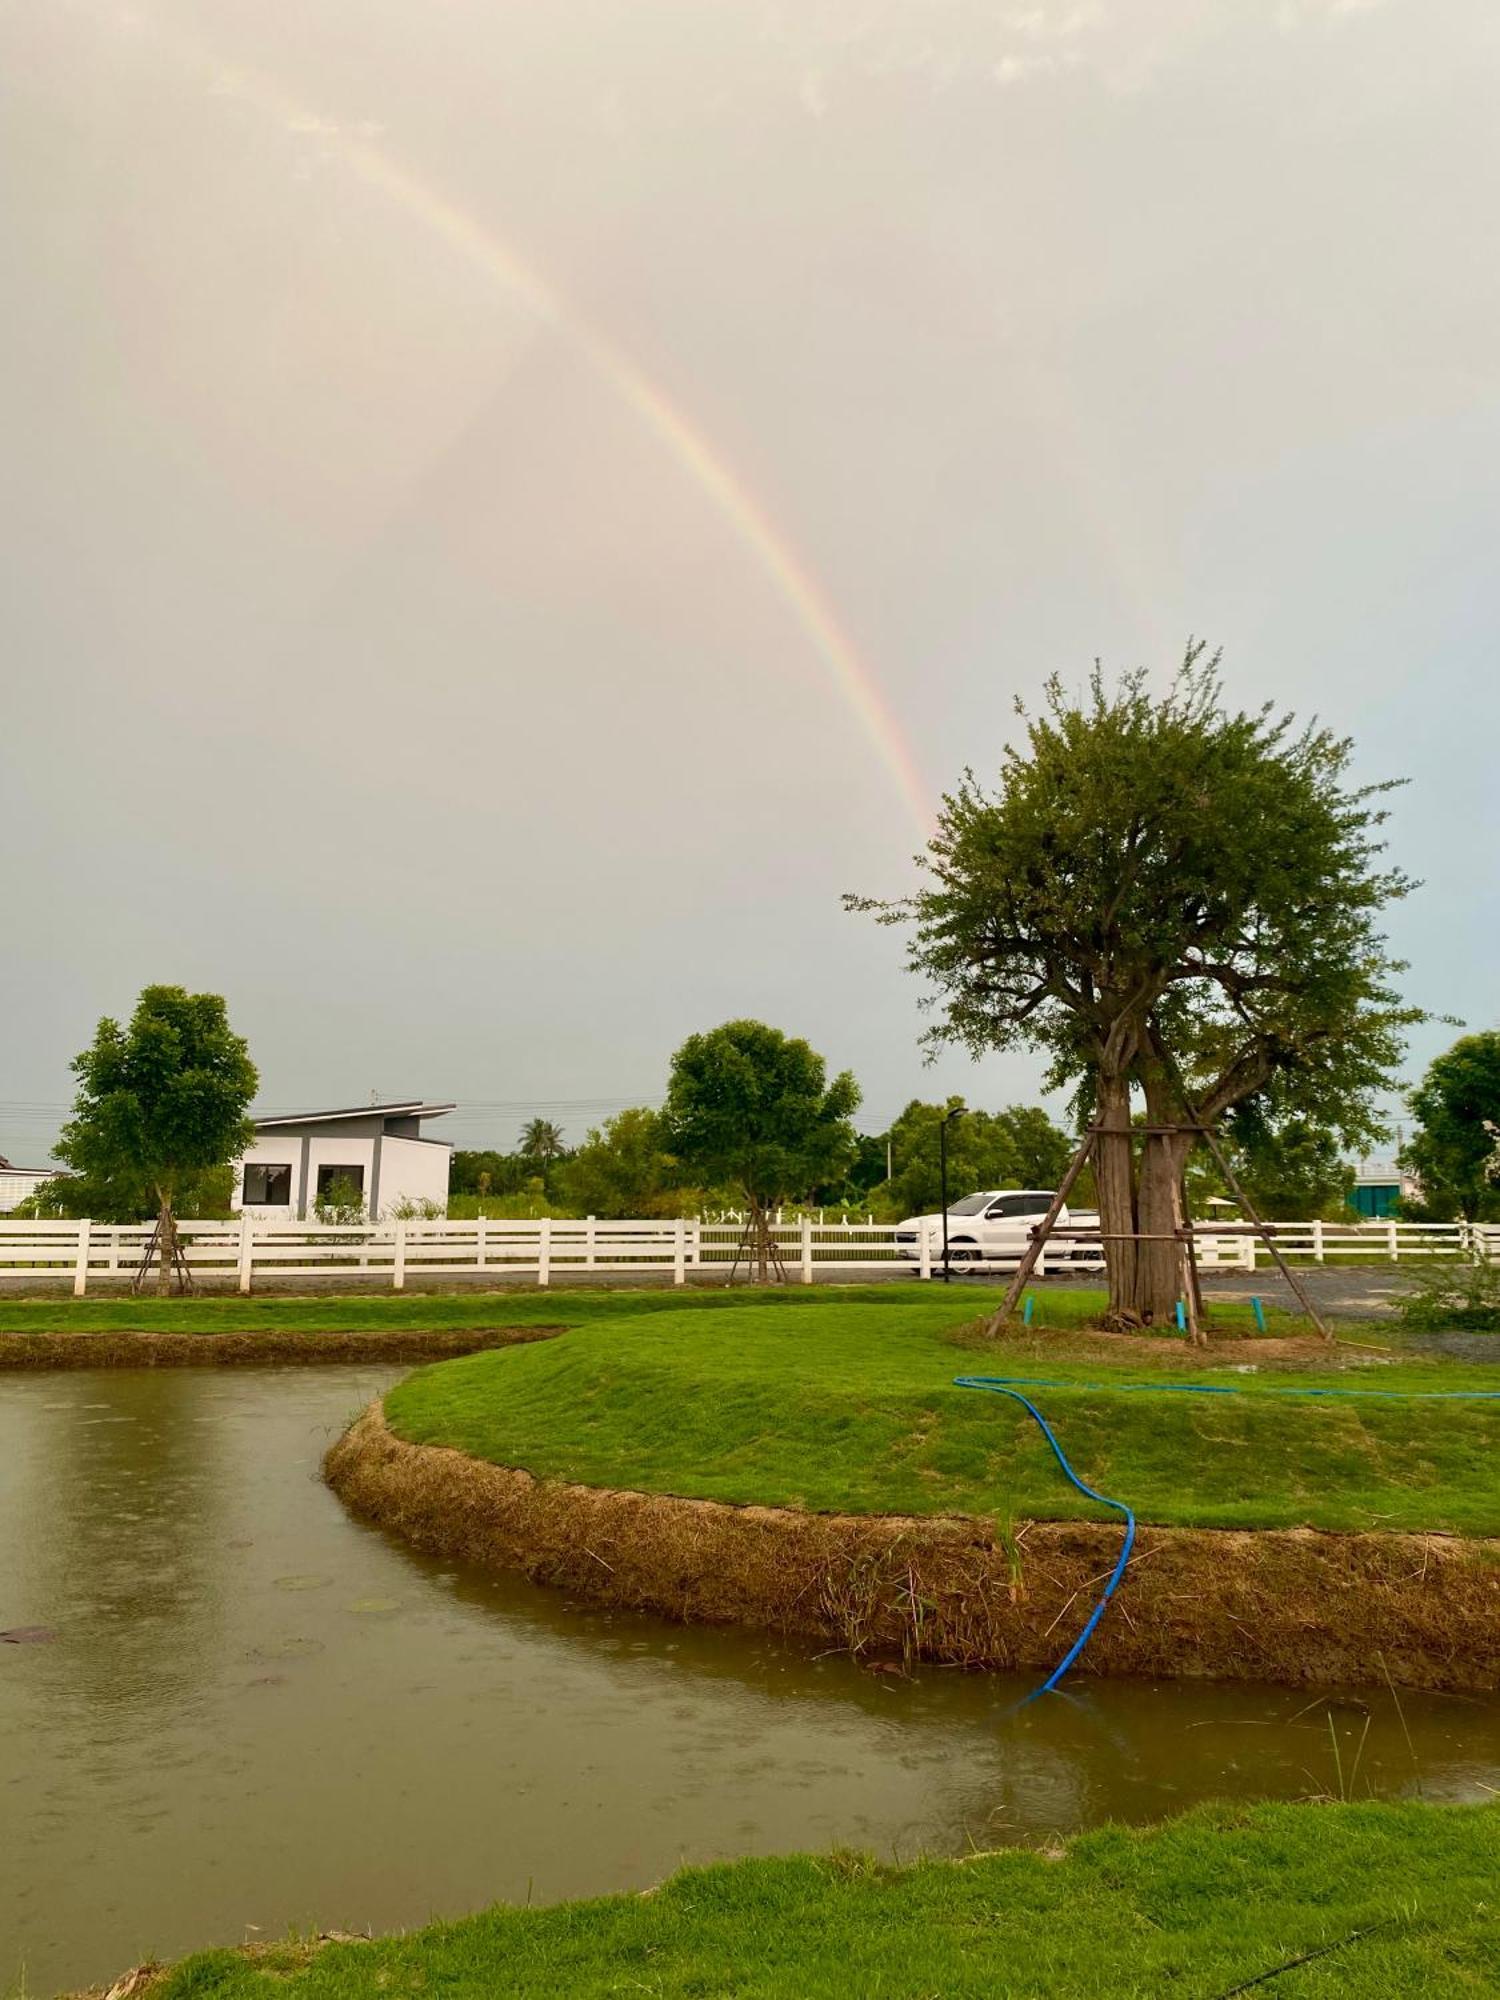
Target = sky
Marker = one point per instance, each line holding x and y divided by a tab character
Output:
508	511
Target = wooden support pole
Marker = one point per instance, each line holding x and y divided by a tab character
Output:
1040	1234
1211	1140
1303	1297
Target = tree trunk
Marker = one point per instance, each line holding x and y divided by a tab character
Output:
1115	1176
166	1244
759	1257
1161	1271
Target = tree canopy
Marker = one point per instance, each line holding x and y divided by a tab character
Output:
1455	1151
541	1141
161	1104
751	1108
1164	896
624	1169
1019	1147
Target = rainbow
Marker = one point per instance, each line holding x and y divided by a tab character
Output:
698	457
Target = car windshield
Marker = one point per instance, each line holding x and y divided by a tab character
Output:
972	1204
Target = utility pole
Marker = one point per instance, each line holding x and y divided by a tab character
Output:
953	1111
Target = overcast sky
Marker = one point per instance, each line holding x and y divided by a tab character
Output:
475	474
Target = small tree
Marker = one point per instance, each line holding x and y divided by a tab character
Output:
161	1104
751	1108
1453	1149
1168	899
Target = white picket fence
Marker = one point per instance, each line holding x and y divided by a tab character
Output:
393	1252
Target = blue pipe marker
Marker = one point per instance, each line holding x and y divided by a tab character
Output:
1181	1317
1030	1309
1260	1314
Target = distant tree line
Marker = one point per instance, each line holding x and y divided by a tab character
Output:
749	1118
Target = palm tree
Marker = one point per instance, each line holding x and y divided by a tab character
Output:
541	1141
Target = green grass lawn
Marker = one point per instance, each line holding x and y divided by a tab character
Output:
849	1405
840	1398
358	1312
566	1306
1381	1900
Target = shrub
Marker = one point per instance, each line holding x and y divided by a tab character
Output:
1463	1298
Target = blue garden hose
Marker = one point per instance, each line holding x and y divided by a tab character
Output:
1011	1386
999	1386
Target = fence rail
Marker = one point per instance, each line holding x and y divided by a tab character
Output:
393	1252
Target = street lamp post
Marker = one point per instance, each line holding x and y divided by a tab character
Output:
955	1111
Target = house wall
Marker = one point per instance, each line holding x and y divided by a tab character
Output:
18	1182
395	1169
414	1170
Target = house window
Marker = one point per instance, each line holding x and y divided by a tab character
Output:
267	1187
339	1180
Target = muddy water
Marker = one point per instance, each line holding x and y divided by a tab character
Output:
256	1713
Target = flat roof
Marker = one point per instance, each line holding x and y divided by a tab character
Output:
415	1107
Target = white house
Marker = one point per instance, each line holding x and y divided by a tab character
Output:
18	1182
377	1148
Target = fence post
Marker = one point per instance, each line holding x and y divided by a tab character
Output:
590	1242
1248	1248
481	1244
924	1252
695	1248
544	1251
679	1253
807	1249
398	1261
1393	1238
1317	1235
81	1267
247	1249
1039	1268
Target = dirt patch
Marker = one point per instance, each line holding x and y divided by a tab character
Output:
1291	1606
200	1350
1160	1351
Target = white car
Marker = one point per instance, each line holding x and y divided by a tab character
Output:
990	1231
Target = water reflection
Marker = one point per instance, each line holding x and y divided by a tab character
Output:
258	1712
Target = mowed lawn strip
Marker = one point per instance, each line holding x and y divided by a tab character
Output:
562	1305
1380	1899
852	1409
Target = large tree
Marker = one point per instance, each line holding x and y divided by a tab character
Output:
1455	1151
161	1104
751	1108
1169	899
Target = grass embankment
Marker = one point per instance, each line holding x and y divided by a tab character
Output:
1371	1899
133	1332
848	1407
150	1332
361	1312
353	1311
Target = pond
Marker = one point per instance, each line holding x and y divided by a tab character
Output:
254	1713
